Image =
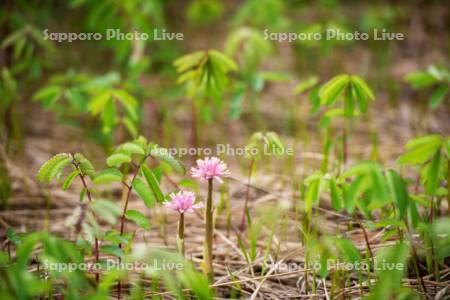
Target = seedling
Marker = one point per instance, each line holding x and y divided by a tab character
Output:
205	74
354	95
434	78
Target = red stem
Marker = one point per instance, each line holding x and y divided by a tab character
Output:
88	193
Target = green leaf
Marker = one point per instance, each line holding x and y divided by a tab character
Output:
129	103
53	166
362	86
117	159
438	95
49	95
227	63
420	80
144	192
399	192
188	61
313	193
336	200
349	251
432	139
98	103
69	179
85	165
164	155
107	176
305	85
432	180
330	92
138	218
420	150
351	193
133	148
112	250
106	210
153	183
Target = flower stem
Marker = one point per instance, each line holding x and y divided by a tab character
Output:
180	241
208	268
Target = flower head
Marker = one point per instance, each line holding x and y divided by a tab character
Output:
182	202
210	168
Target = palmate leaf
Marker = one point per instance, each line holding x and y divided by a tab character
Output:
188	61
98	103
330	92
359	84
275	144
53	167
222	61
128	102
420	150
138	218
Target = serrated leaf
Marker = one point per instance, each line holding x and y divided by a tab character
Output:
152	183
107	176
69	179
117	159
144	192
138	218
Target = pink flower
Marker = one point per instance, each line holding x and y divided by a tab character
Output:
210	168
182	202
